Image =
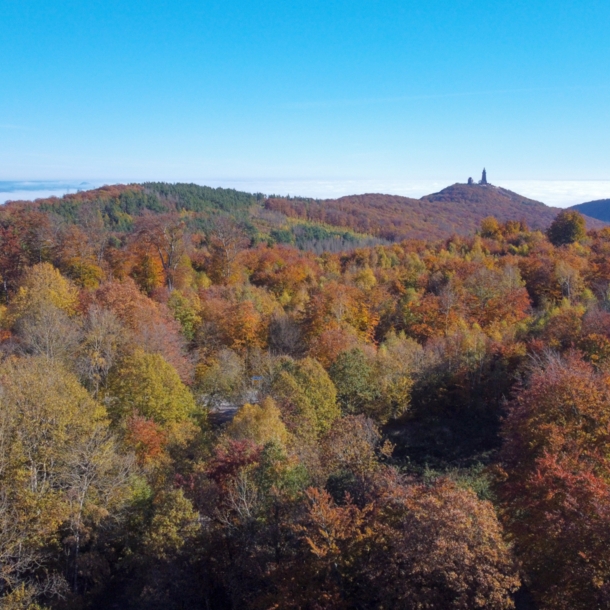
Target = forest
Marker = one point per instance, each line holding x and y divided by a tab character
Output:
455	210
196	412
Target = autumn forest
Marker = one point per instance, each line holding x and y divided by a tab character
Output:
218	400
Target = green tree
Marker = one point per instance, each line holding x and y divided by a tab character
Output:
352	374
186	311
567	228
396	362
174	522
307	396
378	386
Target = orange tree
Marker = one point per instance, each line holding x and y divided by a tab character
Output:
555	482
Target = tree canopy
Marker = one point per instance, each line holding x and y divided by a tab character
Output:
198	410
567	228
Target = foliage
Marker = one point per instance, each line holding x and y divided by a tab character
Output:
220	378
186	310
407	547
353	377
377	385
568	227
259	423
173	523
555	482
43	284
306	395
60	475
209	399
147	385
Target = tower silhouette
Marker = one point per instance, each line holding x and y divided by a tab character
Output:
484	177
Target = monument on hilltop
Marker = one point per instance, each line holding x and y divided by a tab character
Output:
484	178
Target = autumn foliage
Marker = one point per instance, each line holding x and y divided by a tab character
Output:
195	413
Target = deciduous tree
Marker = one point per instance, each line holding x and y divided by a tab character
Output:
555	482
145	384
567	228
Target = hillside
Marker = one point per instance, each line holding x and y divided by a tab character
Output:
184	416
310	224
456	209
118	207
214	398
119	204
599	209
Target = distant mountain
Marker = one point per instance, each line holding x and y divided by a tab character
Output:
312	224
599	209
456	209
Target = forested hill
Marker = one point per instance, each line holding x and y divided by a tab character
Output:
119	204
456	209
599	209
310	224
197	418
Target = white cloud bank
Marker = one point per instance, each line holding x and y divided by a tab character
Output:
561	193
558	193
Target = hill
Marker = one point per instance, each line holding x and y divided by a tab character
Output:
457	209
310	224
187	418
599	209
119	204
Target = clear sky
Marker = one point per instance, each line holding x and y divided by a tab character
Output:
335	94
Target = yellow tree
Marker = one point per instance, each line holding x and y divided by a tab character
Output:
307	396
59	470
146	384
259	423
44	285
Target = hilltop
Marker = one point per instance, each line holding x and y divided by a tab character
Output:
599	209
457	209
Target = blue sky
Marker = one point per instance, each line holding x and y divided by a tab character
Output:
327	96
